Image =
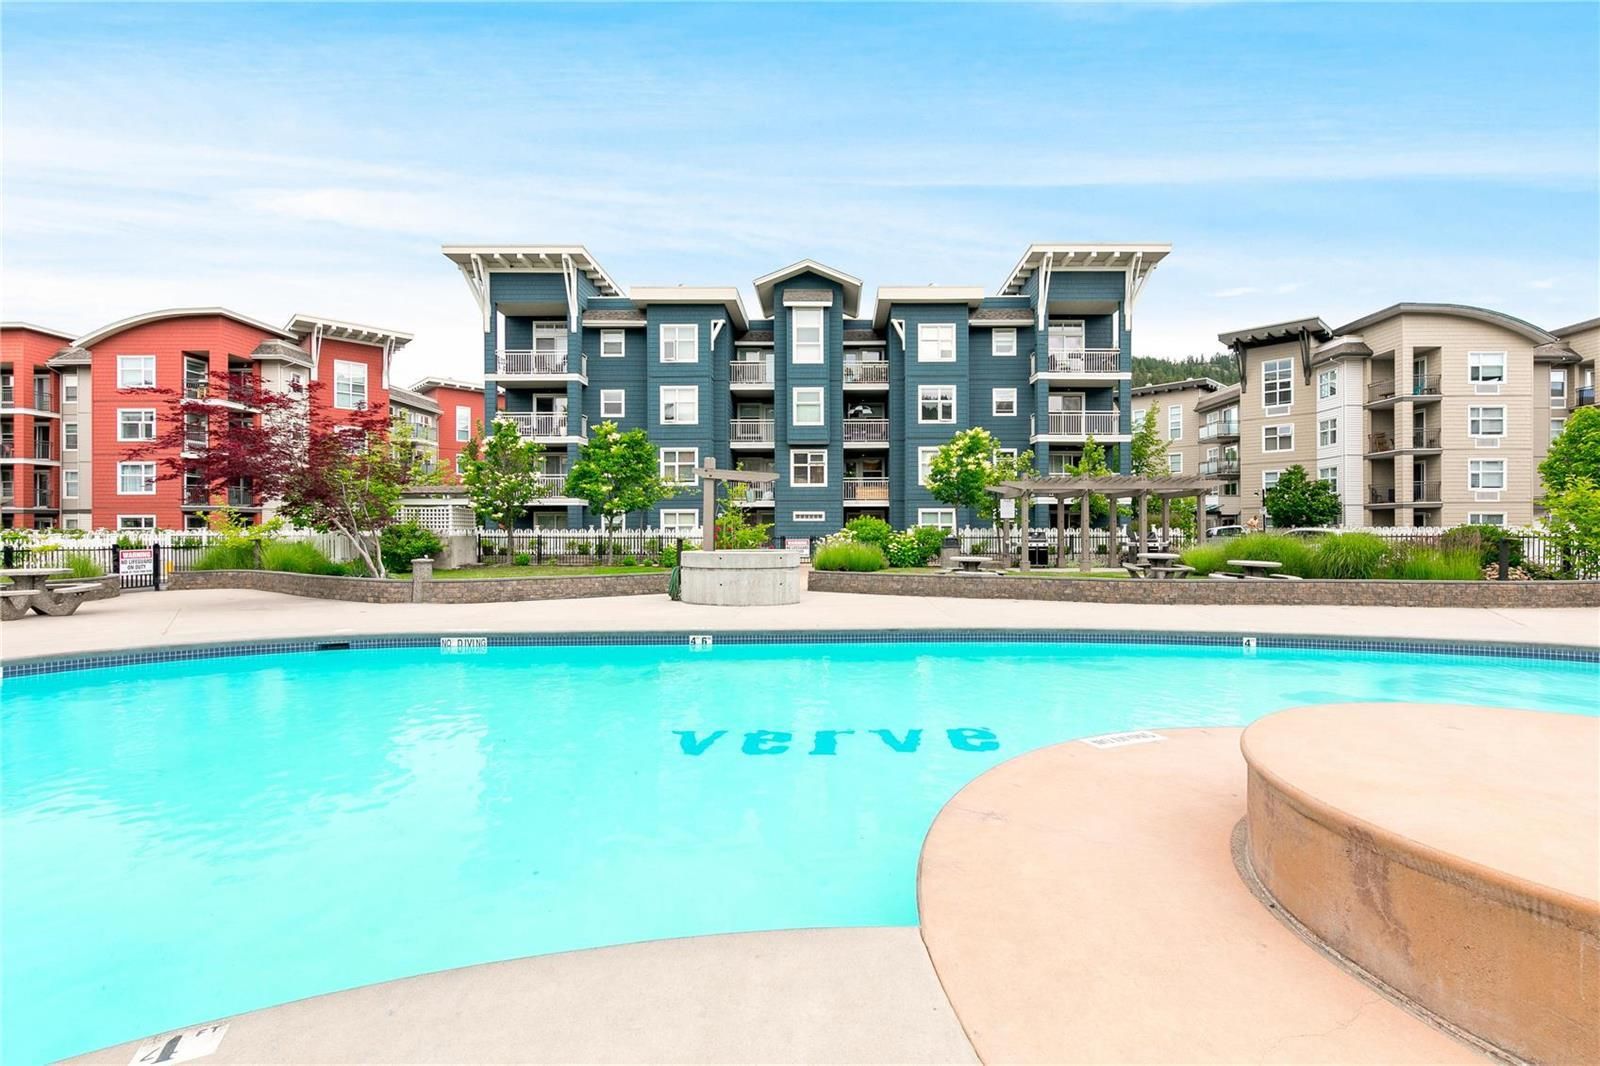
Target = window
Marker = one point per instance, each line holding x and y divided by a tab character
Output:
463	423
680	405
810	516
942	517
1486	421
808	468
1004	343
1486	473
69	484
1174	462
613	403
459	457
1269	478
936	342
679	465
1277	382
136	371
1485	518
136	424
349	385
1486	367
1175	422
1277	438
807	325
1558	388
807	409
613	343
69	435
136	479
136	521
69	387
925	464
1329	475
1003	402
1556	426
680	343
1327	432
679	523
936	403
1328	383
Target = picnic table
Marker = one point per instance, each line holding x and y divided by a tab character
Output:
31	588
1255	568
1164	566
970	564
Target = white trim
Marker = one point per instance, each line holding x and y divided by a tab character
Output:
618	335
1288	381
661	409
821	403
1324	424
899	325
678	513
716	329
924	346
936	421
797	321
923	512
1174	409
928	452
994	341
1505	368
151	491
151	422
1278	434
1476	518
74	475
808	516
621	398
996	395
95	336
797	484
677	329
463	409
1481	465
1505	420
365	384
121	518
122	361
694	465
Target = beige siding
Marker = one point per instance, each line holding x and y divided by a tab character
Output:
1254	461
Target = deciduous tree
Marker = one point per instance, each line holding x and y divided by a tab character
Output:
1575	452
501	470
1298	500
617	473
966	465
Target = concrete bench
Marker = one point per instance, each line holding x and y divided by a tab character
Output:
60	601
14	603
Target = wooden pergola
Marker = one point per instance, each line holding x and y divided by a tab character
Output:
1114	487
709	476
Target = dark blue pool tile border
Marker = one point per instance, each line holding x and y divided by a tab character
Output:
1490	649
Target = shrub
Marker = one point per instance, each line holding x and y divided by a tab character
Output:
84	567
236	556
869	530
1485	540
405	541
524	559
1411	563
1294	553
669	554
930	540
849	555
298	557
1349	555
628	560
1206	560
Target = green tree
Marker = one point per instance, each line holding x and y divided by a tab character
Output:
1149	447
734	528
618	473
1574	523
964	467
1298	500
349	480
501	472
1575	453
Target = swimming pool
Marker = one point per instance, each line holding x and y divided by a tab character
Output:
191	839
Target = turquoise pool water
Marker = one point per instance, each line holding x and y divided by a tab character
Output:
193	839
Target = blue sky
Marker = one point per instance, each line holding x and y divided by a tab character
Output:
1301	159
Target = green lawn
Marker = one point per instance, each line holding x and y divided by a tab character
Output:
548	570
1072	574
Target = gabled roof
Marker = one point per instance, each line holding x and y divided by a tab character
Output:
1221	398
1203	384
1481	314
726	295
887	296
535	257
766	284
1577	327
95	337
429	384
415	401
42	331
335	330
1140	258
1278	332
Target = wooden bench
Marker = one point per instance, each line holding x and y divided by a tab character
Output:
14	603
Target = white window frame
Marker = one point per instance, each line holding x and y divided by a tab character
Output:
1329	475
1476	415
796	453
122	469
145	420
932	339
608	337
1327	432
807	318
1277	380
1174	462
1278	436
69	478
814	396
676	390
1009	348
69	386
675	337
672	519
922	391
934	516
1558	376
463	423
1274	475
618	397
694	465
809	516
1175	421
136	521
925	456
1556	426
1328	383
999	397
69	435
1478	362
344	374
1483	518
142	363
1476	468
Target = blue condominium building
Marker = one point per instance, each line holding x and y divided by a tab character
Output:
846	401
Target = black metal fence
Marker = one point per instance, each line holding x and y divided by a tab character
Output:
135	567
574	547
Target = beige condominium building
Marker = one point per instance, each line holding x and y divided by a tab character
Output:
1418	415
1176	420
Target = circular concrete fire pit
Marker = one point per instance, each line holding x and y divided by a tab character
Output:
752	578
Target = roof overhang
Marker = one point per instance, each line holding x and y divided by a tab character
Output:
1343	348
1555	353
90	339
1138	258
702	295
446	383
414	401
1577	327
41	330
1203	384
767	284
888	296
536	258
335	330
1278	333
1221	398
1480	314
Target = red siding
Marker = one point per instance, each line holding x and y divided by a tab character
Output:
24	352
350	352
449	399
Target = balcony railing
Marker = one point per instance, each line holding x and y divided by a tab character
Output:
527	363
1421	385
750	372
757	496
750	431
1425	439
240	497
866	431
873	489
1585	395
1228	467
1082	423
37	450
543	425
866	372
1081	361
1420	492
1220	428
42	401
556	483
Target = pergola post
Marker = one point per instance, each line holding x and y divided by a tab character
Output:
1113	552
1200	519
1166	519
708	507
1083	532
1061	531
1144	523
1022	527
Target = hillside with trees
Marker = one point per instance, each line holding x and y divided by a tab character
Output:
1153	370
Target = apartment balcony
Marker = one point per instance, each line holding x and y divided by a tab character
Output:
1584	396
548	428
1079	366
751	432
38	452
866	374
528	366
1220	429
866	491
1226	467
43	403
866	432
1075	427
1424	388
757	496
1420	494
1381	444
750	375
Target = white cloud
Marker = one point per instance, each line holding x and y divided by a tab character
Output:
1237	291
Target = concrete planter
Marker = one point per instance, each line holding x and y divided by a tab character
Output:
754	578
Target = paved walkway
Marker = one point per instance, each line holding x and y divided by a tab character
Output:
143	619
